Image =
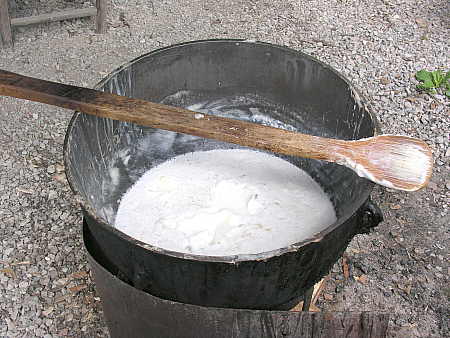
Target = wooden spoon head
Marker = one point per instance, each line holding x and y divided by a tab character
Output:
397	162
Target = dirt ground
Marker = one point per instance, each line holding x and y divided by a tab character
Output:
402	267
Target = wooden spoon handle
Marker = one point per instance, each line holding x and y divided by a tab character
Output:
155	115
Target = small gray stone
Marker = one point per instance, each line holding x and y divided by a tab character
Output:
53	274
8	251
44	281
23	285
433	186
39	332
52	194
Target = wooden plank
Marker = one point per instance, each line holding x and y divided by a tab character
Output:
101	16
5	23
55	16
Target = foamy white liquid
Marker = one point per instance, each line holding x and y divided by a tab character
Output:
224	202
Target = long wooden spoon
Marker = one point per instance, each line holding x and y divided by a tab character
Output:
397	162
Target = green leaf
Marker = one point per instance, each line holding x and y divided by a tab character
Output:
423	75
447	77
446	83
438	78
433	80
428	84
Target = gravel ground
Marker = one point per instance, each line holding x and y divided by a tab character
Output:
402	267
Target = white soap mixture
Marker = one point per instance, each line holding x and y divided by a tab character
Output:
224	202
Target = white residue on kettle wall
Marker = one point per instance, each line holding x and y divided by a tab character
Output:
224	202
239	107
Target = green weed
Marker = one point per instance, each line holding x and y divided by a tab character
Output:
433	81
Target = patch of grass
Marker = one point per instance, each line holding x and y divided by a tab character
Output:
433	81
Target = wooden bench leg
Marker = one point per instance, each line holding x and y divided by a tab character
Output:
101	15
5	23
